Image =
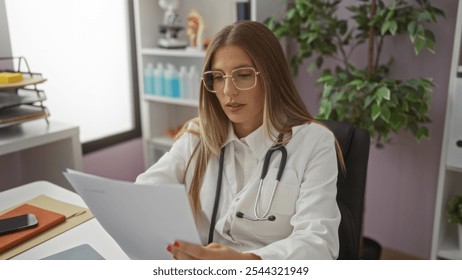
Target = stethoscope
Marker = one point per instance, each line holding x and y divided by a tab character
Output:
264	171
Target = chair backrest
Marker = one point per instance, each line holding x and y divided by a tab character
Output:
355	143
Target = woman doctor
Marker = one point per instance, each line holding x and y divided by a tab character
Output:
249	106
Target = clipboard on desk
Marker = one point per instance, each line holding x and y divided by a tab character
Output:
142	219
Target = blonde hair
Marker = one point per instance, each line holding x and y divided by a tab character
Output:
283	107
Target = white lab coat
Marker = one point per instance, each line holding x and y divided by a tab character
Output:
307	215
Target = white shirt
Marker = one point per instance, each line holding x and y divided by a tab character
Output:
307	215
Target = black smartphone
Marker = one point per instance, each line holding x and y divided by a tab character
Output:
12	224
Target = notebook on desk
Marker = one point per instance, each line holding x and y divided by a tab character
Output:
142	219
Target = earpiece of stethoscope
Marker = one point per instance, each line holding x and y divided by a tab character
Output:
241	215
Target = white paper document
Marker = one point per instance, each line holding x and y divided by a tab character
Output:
142	219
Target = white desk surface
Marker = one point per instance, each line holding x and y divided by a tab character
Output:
34	133
90	232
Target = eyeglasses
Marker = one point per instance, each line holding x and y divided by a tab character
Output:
244	78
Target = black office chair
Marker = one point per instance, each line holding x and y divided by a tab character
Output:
351	186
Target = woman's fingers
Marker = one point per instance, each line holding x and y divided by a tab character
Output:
186	251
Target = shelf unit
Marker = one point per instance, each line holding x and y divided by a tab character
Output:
445	241
160	113
21	101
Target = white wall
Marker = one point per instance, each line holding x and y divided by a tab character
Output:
5	45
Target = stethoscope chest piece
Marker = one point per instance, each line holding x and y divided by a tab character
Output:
241	215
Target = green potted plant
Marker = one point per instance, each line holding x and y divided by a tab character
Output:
454	210
364	95
454	213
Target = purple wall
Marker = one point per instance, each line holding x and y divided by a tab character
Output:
122	161
402	177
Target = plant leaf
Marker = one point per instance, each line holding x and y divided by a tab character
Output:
375	112
396	121
419	44
359	84
430	40
326	79
382	93
385	114
421	133
327	90
325	109
411	29
368	101
385	27
290	14
311	67
393	27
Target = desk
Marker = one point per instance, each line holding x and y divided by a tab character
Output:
90	232
36	150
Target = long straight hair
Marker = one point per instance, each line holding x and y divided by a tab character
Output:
283	107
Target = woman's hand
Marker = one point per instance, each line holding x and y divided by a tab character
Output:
186	251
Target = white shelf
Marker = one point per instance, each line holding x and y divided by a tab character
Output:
450	252
454	153
173	101
454	168
163	141
173	52
444	244
33	134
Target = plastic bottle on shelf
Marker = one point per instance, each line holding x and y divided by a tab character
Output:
183	76
167	81
172	83
148	79
158	79
193	82
175	83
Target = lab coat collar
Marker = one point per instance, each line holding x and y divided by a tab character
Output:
256	138
231	136
257	141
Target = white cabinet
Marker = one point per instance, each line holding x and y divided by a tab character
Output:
445	243
35	150
160	113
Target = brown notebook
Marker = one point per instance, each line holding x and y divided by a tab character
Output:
46	220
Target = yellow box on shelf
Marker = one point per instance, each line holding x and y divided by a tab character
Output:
9	77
